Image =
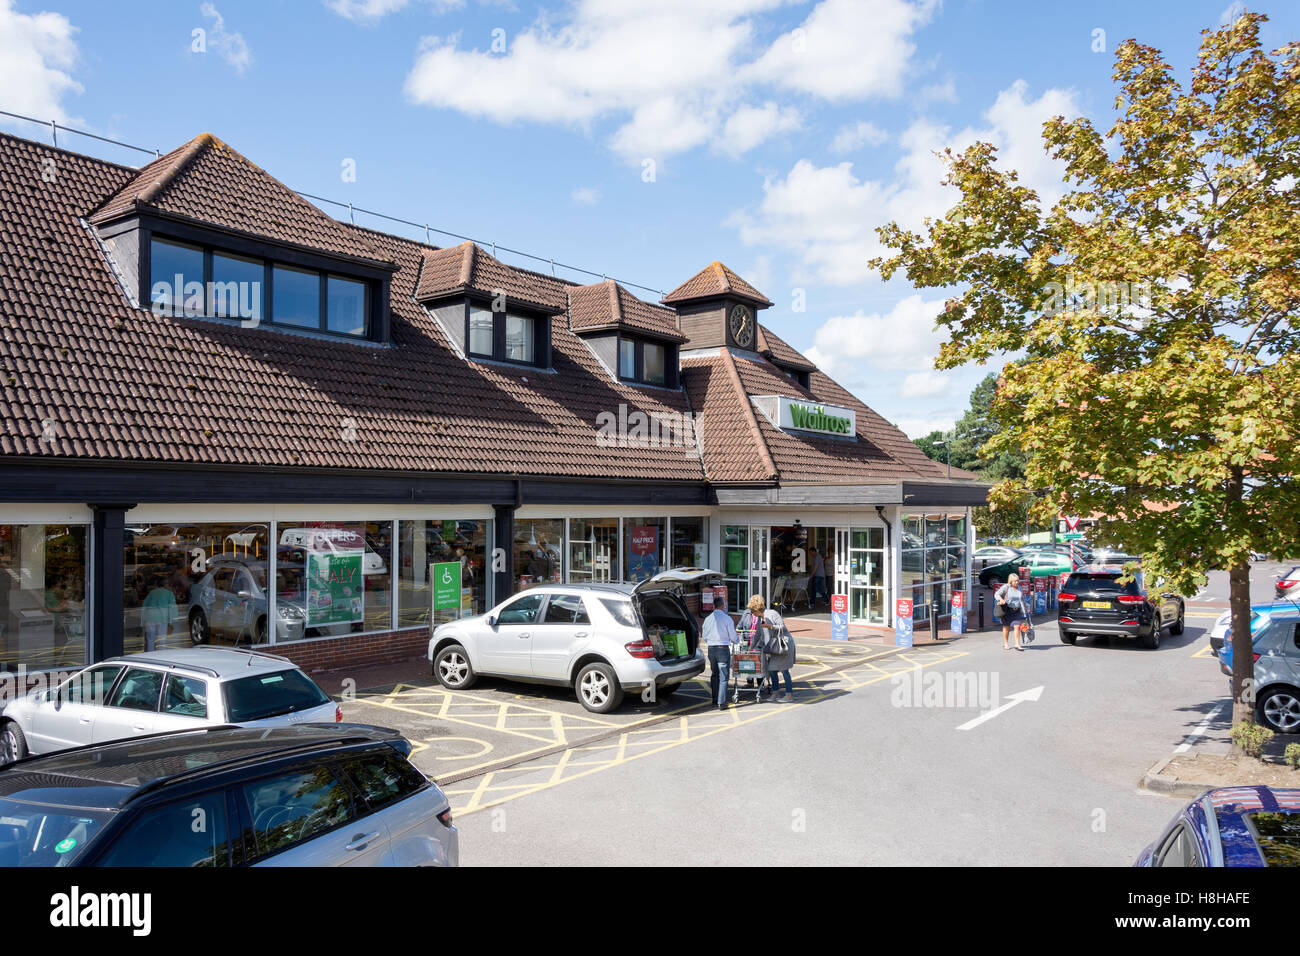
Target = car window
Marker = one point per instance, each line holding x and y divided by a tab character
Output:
522	611
566	609
1179	850
1278	837
382	778
271	695
137	690
191	832
621	610
245	582
185	696
294	807
91	686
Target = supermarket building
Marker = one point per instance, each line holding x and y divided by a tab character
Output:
230	417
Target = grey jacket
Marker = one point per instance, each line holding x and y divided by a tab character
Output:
780	662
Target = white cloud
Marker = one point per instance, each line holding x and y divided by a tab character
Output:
847	49
828	217
926	385
856	135
945	92
902	339
37	52
585	196
751	125
676	74
230	46
1230	15
369	11
916	426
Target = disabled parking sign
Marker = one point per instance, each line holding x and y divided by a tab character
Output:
903	623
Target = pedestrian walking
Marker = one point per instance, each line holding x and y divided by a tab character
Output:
718	633
777	642
1011	607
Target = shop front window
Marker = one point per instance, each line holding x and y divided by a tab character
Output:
735	564
460	547
645	547
539	558
337	575
593	549
690	547
933	561
42	596
867	575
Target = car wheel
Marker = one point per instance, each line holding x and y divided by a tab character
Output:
1152	641
452	668
199	631
13	745
598	689
1279	709
1178	626
1068	638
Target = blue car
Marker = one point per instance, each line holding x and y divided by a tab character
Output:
1231	826
1259	616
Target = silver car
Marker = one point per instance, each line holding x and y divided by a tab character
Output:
599	639
180	689
1277	672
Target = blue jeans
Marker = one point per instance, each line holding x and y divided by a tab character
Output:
720	668
818	586
775	678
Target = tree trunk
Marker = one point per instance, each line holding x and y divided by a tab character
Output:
1243	649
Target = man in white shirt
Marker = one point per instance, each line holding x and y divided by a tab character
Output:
719	633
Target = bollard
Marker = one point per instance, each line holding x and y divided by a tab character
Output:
934	619
981	617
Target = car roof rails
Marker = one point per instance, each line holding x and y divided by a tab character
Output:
253	653
162	662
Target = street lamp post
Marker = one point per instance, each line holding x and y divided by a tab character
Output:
947	452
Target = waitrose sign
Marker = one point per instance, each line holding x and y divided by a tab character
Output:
792	414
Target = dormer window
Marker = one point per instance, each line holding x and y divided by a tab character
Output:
200	280
502	336
643	361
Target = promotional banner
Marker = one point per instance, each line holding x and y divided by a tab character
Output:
839	617
643	552
958	612
446	585
903	623
1040	595
335	589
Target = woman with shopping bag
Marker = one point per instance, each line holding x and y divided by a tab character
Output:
1011	607
777	643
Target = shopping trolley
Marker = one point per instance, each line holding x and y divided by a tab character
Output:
748	662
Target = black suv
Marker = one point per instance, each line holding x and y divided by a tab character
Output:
304	795
1094	603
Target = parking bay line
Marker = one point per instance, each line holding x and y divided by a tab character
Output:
712	726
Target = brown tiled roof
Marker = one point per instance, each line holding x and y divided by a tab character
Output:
607	305
207	181
467	268
713	280
777	350
881	453
119	383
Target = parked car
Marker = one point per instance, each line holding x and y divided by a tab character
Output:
1288	584
1096	604
1260	614
599	639
1231	826
1040	564
1080	549
310	795
336	541
1112	556
996	554
1277	671
158	691
230	602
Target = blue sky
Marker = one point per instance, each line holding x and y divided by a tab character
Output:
780	133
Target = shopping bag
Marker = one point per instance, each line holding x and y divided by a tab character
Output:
1027	631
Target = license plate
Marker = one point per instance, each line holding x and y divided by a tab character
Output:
1099	605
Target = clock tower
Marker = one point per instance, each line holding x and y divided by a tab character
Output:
717	308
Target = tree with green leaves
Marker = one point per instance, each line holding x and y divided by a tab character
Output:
1154	305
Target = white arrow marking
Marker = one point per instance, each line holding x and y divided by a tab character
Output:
1032	694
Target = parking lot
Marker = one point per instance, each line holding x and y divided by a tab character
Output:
502	740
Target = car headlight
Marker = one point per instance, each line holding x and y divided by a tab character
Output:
290	613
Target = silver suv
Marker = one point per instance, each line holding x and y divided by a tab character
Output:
599	639
180	689
1277	672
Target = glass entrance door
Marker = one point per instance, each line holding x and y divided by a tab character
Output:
841	557
867	593
759	542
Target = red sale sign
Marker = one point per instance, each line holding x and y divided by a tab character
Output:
903	608
839	604
958	598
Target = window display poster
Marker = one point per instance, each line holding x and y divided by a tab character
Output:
335	588
643	552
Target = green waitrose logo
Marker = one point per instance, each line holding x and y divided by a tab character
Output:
814	418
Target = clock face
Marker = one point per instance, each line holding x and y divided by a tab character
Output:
742	326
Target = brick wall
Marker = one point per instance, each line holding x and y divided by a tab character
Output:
332	653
